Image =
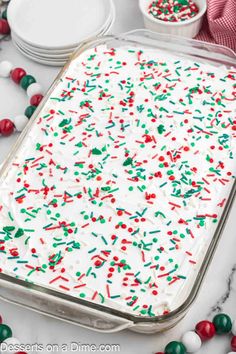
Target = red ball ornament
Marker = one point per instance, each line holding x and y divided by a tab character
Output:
6	127
0	319
20	353
206	330
17	74
233	343
4	27
36	99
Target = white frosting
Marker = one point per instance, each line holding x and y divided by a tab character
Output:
149	108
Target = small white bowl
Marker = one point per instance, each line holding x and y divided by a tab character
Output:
188	28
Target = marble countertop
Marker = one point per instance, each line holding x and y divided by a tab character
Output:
218	292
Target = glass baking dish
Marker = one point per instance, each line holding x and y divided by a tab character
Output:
83	312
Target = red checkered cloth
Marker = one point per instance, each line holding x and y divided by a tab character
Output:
219	24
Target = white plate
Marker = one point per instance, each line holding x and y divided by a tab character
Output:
104	30
51	61
57	23
60	56
47	55
50	56
40	50
40	60
61	52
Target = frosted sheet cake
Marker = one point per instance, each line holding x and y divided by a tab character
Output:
118	187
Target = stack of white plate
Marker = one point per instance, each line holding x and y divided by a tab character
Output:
48	31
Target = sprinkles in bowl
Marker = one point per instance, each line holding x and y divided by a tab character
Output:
173	10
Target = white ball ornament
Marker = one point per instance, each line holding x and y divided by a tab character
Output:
5	68
8	346
20	122
234	327
34	89
191	341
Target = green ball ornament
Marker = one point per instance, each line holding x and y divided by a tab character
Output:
5	332
26	81
222	323
175	348
4	14
30	111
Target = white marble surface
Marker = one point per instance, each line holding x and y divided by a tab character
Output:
218	291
